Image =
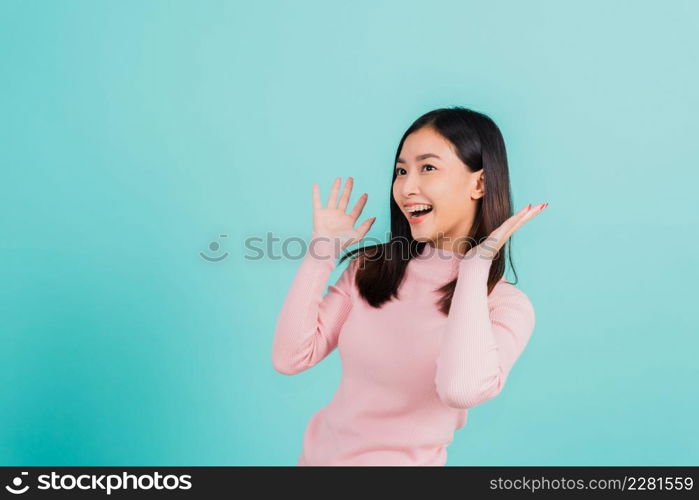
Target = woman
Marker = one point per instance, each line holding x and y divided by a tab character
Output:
425	324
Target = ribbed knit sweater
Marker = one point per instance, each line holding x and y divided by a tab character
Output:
409	373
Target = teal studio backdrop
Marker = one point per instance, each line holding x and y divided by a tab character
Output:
134	134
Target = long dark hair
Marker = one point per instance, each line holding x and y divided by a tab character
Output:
478	144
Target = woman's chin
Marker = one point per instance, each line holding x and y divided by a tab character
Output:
422	235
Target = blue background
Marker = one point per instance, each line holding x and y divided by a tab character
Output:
134	134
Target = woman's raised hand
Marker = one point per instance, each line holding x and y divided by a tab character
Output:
332	221
495	241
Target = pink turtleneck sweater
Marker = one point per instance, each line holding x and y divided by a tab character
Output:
409	373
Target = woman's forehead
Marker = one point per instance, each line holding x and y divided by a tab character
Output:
420	144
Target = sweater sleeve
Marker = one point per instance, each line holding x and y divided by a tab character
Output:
309	323
483	336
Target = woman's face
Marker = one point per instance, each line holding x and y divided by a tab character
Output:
428	172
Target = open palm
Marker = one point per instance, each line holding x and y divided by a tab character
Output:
332	221
489	248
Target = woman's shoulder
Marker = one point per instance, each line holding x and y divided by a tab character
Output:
348	276
508	294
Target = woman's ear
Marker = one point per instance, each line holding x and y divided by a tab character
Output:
478	189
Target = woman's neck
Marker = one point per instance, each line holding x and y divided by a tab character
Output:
459	247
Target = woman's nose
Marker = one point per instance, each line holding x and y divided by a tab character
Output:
410	184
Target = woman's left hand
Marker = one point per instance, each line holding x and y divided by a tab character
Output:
489	248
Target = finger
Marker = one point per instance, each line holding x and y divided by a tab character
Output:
316	197
511	223
507	227
499	236
344	199
332	201
535	210
528	215
364	228
523	213
359	206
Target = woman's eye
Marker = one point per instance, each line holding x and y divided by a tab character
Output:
399	170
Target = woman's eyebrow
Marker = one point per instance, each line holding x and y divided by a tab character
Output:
420	157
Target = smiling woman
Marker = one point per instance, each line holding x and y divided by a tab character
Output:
444	160
426	326
416	183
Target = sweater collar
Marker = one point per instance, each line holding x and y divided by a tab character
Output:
441	263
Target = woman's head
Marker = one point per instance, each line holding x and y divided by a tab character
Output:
440	162
434	189
465	183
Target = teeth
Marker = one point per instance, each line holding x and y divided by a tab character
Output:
415	208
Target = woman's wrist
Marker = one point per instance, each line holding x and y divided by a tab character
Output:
322	247
473	262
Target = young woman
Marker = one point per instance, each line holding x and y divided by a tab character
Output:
425	324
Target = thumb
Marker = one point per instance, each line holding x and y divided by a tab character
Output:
364	227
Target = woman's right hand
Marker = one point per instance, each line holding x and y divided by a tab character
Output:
332	221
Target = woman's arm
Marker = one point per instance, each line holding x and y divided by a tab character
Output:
483	336
309	323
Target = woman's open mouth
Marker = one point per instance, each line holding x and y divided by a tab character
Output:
417	216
